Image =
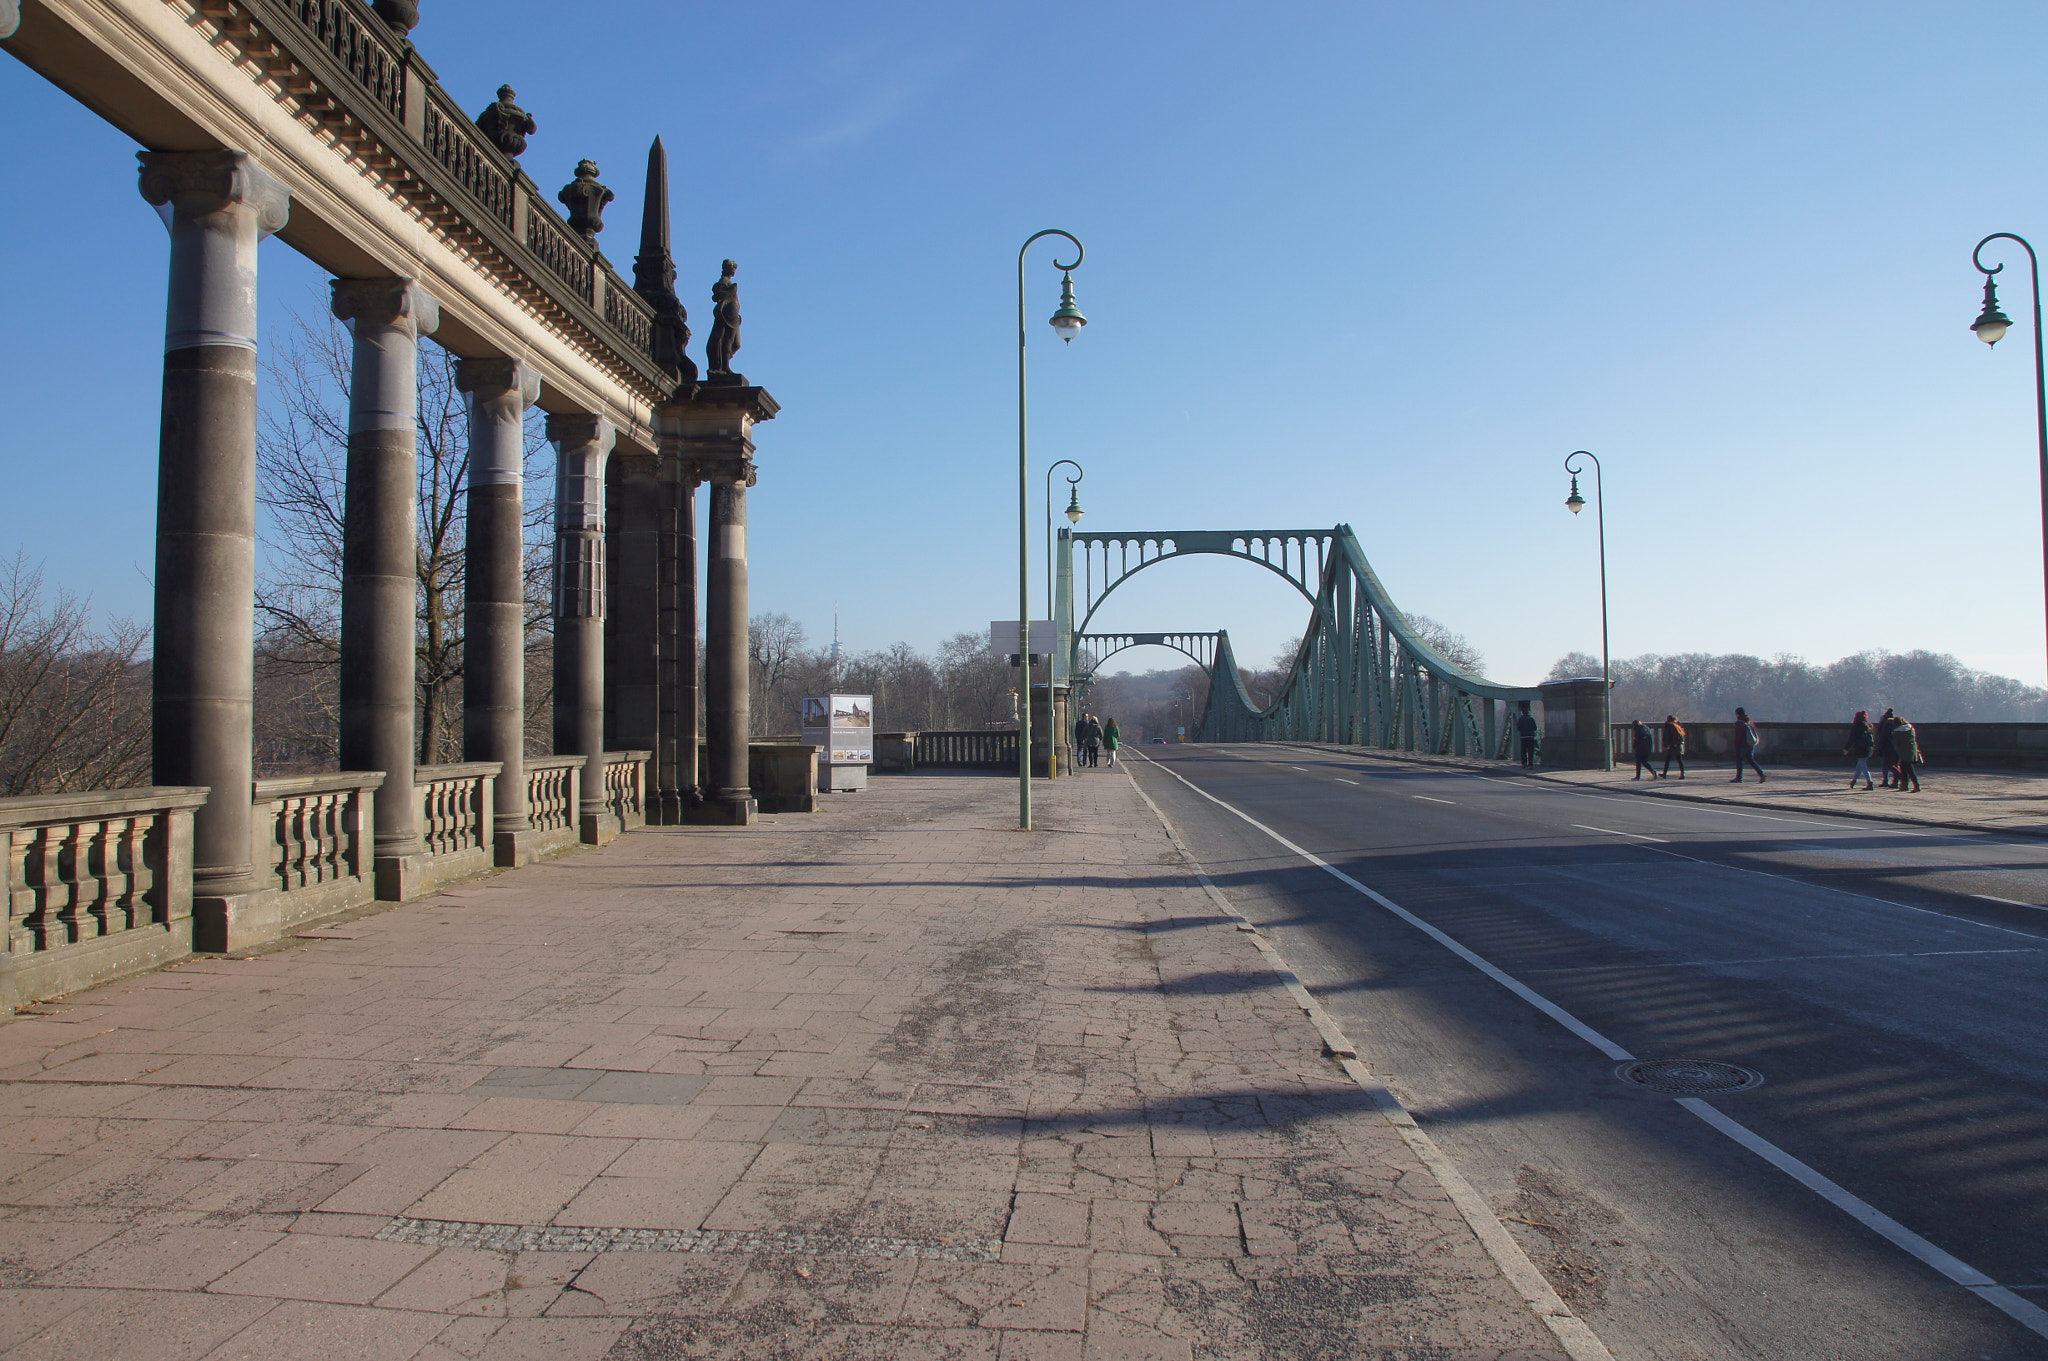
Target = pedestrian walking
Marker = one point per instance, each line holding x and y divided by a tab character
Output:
1525	728
1887	723
1862	741
1746	739
1112	738
1906	747
1674	745
1645	745
1091	741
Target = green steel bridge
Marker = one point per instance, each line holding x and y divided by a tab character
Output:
1363	676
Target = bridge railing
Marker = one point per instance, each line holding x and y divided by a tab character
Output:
967	750
99	884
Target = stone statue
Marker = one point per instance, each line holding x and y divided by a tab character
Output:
506	124
724	341
585	198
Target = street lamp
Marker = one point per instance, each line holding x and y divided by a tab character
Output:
1576	503
1991	326
1067	321
1074	514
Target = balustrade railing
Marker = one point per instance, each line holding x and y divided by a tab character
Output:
551	792
454	805
98	884
313	831
625	786
557	248
629	312
361	45
452	139
975	750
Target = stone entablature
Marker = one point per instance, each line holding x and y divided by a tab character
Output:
388	173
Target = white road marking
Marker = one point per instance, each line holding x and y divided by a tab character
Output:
1297	767
1426	799
1804	822
2009	902
1780	959
1662	841
2027	1315
1342	780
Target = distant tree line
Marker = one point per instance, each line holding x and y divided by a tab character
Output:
1926	686
963	685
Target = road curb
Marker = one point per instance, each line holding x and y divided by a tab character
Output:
1522	1274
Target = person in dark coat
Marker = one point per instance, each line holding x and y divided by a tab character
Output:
1674	745
1906	747
1525	728
1645	746
1886	722
1862	741
1746	738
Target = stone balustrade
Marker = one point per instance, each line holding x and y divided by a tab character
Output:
454	807
553	784
99	884
625	786
312	838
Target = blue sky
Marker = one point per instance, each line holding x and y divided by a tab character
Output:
1378	263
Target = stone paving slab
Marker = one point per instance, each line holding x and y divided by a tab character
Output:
890	1080
2013	802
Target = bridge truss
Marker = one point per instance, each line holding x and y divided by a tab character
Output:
1362	676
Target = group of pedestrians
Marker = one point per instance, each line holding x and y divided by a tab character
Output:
1895	744
1093	737
1891	739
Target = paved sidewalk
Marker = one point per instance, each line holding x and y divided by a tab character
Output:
2014	802
888	1081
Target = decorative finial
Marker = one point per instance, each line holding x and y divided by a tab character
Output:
724	340
401	15
506	124
654	274
585	198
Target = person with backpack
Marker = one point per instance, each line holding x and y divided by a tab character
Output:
1906	747
1525	728
1746	739
1887	723
1862	741
1645	749
1674	745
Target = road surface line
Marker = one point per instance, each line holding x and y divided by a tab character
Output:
1662	841
1342	780
2009	902
1427	799
1862	1211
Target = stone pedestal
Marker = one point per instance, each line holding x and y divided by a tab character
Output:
218	206
583	443
713	434
380	556
494	591
1574	722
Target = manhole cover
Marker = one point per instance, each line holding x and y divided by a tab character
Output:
1689	1077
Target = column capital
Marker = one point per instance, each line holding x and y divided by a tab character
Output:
195	183
724	472
580	427
498	377
387	302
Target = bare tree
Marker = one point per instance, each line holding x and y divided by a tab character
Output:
74	700
1454	646
302	460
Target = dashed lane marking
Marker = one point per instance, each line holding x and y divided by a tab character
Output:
1342	780
1427	799
1660	840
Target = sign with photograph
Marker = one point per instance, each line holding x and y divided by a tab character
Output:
843	725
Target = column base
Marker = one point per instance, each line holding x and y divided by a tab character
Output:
724	811
594	829
523	847
403	877
667	809
236	921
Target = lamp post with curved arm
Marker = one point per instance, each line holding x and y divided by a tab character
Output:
1991	326
1576	503
1073	512
1068	321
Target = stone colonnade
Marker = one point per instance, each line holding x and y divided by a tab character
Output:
218	206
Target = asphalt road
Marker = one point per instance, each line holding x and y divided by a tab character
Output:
1895	1014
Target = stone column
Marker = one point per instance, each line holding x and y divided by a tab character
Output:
678	793
494	589
725	646
583	443
713	434
218	205
633	675
380	561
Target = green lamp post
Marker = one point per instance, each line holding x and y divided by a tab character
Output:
1576	503
1991	326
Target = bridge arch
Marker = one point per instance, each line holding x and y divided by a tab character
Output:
1259	547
